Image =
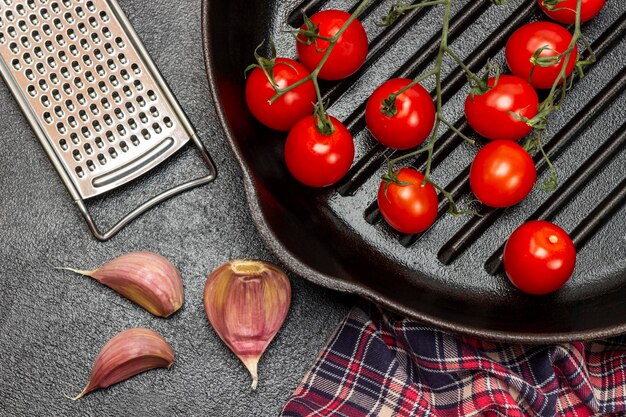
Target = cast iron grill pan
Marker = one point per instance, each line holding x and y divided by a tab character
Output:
451	275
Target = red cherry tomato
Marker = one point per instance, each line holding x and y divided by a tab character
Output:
567	12
408	208
488	114
349	52
539	257
288	109
412	123
315	159
525	41
502	174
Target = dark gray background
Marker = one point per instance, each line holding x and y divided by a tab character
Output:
53	323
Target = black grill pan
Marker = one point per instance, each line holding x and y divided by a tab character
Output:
451	275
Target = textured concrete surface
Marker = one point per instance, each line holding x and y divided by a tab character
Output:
53	323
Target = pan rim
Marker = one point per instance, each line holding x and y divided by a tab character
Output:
298	268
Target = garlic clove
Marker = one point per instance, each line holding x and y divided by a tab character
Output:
146	278
127	354
246	303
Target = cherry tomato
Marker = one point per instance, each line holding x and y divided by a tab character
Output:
502	174
288	109
588	9
349	52
315	159
412	123
488	114
525	41
408	208
539	257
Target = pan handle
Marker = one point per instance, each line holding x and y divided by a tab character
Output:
154	201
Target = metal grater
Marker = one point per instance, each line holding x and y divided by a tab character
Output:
93	96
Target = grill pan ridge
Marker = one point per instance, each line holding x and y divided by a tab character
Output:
450	276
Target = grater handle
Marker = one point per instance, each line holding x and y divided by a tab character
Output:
154	201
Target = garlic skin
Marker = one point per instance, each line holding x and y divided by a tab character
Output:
146	278
246	303
127	354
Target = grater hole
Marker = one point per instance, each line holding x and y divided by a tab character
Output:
60	40
143	117
91	166
58	24
33	20
132	124
81	99
83	29
107	32
74	50
61	128
138	85
16	64
54	79
84	44
25	42
49	46
90	6
83	115
119	114
102	159
14	48
92	92
130	107
74	138
89	77
40	68
71	34
55	7
110	136
111	64
168	122
31	4
59	111
157	128
120	42
38	52
30	74
43	85
88	149
72	121
63	57
22	25
97	126
3	40
56	95
152	96
67	3
69	105
108	120
96	39
93	22
80	172
94	109
105	103
12	32
78	83
46	29
123	59
116	97
104	17
109	48
125	75
100	70
47	117
45	101
77	155
141	101
80	12
124	146
27	58
68	89
64	145
32	91
20	10
69	18
135	69
9	15
86	132
36	36
154	111
103	87
76	66
114	82
51	62
127	91
87	60
121	130
113	153
98	54
99	142
145	134
134	140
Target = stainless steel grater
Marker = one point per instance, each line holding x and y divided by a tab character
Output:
93	96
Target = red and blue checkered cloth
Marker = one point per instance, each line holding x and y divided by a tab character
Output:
377	364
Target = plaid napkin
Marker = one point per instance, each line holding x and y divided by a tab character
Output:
377	364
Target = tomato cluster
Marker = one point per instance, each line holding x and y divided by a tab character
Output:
539	257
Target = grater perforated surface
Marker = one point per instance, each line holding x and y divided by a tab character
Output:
90	91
